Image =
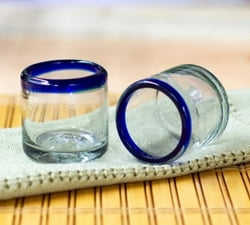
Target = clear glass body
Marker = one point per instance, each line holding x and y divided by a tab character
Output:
178	109
206	99
61	126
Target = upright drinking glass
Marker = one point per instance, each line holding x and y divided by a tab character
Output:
64	111
160	117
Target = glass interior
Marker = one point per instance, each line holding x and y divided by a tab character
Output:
66	74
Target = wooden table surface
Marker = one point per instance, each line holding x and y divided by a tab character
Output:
219	196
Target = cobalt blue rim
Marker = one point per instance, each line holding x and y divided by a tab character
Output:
31	81
183	110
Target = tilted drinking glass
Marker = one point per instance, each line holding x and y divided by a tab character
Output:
161	117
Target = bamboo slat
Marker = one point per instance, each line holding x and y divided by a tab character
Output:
219	196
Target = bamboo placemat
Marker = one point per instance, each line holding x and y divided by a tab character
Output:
219	196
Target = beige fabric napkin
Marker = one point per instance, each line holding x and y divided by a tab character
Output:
19	176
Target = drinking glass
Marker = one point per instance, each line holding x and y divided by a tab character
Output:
161	117
64	111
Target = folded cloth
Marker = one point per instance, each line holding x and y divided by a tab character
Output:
20	176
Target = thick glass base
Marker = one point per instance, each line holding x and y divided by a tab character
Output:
64	146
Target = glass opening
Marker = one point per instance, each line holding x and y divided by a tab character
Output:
153	122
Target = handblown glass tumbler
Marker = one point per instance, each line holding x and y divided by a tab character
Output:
64	111
182	108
